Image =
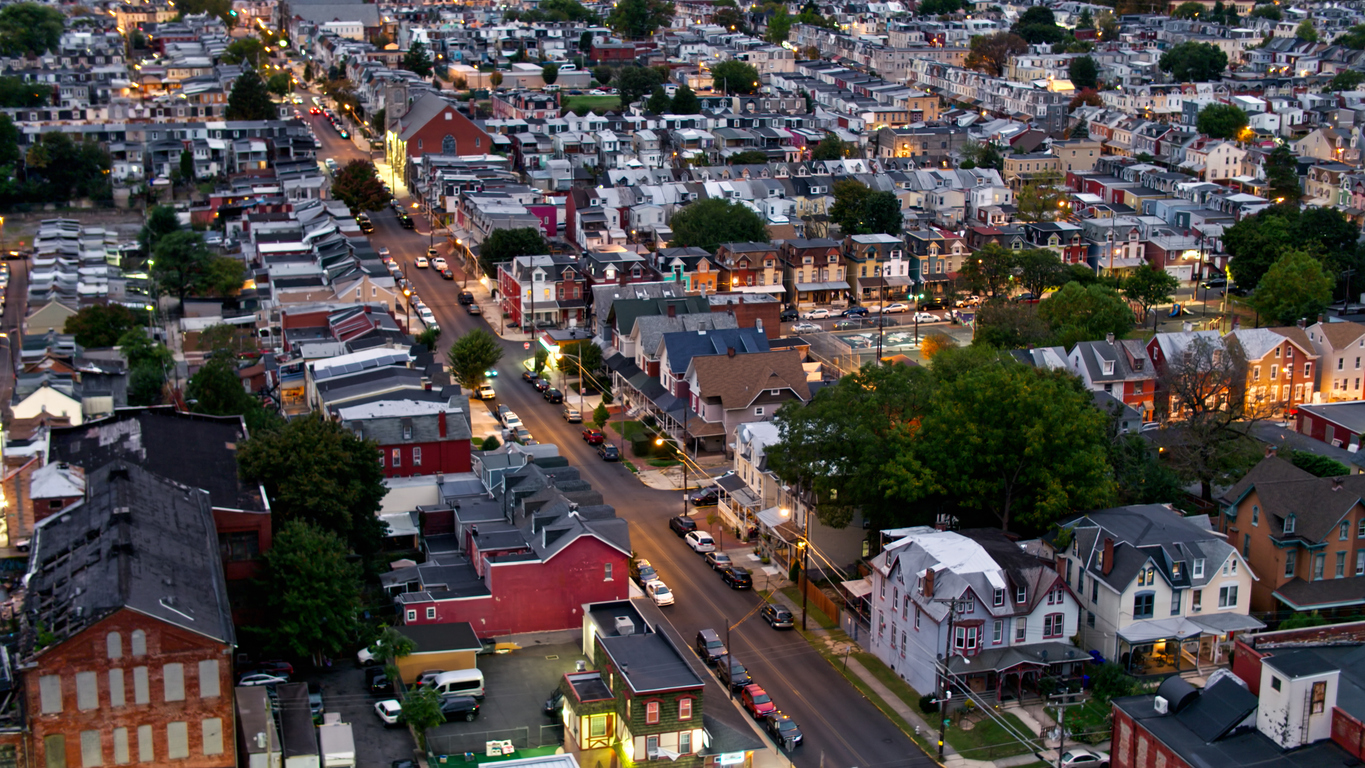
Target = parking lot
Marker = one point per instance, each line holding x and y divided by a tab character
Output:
516	686
343	691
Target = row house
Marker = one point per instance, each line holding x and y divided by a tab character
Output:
1339	348
814	272
1281	365
1120	368
749	267
725	391
879	267
694	268
543	291
1061	237
939	254
414	437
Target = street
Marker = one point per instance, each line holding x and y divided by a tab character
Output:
840	726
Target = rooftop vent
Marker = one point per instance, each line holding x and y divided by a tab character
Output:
624	626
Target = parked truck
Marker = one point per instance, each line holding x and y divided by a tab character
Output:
336	742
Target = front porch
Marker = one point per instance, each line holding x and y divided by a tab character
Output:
1017	673
1178	644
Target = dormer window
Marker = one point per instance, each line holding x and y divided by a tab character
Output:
1289	524
1021	594
1199	568
999	598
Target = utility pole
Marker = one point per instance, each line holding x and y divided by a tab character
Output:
1061	701
944	695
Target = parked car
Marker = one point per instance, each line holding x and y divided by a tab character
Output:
274	667
644	572
732	673
572	415
806	328
464	708
315	705
709	647
783	730
777	616
468	298
486	392
553	395
377	682
523	436
511	420
854	312
926	317
608	452
718	560
659	592
700	542
736	577
421	262
502	411
405	221
473	309
1077	757
593	436
896	308
439	263
542	384
933	304
446	274
789	314
529	377
389	711
432	253
706	497
844	325
816	314
682	524
756	702
262	678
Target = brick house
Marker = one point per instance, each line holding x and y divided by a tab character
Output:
544	289
611	53
1303	535
751	310
434	126
1281	368
127	638
749	266
415	437
1119	367
525	105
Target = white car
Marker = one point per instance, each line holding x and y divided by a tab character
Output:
421	262
927	317
1079	757
389	710
806	328
365	657
428	318
384	254
438	263
896	308
658	592
485	392
262	678
700	542
816	314
511	421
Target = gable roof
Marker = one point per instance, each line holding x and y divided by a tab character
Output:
685	345
1317	503
738	380
1144	533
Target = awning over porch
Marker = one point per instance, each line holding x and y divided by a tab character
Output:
899	280
1223	623
1121	263
772	517
1175	628
839	286
859	588
1001	659
758	289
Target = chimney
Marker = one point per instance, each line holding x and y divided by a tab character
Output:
441	423
1109	337
1303	321
1108	564
929	582
729	351
1336	483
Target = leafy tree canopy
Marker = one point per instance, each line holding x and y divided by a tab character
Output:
1347	80
217	390
1296	287
708	223
101	325
685	101
250	100
639	18
1149	286
416	60
1306	31
1084	72
1194	62
59	169
357	184
734	76
634	82
1257	242
1037	25
860	211
471	355
306	621
507	244
14	92
249	50
938	7
1221	121
1187	11
1075	313
991	53
750	157
30	28
830	148
1353	38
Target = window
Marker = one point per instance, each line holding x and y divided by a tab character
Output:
606	572
87	691
1176	596
1227	596
1020	594
177	740
142	693
1199	568
1307	370
50	694
1143	605
121	746
116	689
1020	629
145	752
55	747
758	411
1319	698
1275	682
1344	532
917	618
208	679
396	457
1360	562
1246	545
416	456
431	612
1147	576
652	712
965	638
1094	589
91	754
998	632
412	615
212	731
597	726
1360	529
1341	564
1289	523
999	598
684	709
1291	559
113	645
1052	625
1255	515
139	643
652	746
895	599
1319	562
239	547
1090	619
1197	601
685	743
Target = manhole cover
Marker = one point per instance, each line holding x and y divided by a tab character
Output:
553	658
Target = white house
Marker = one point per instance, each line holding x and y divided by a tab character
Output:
1001	617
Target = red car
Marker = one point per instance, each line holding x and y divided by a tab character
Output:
756	702
593	436
314	111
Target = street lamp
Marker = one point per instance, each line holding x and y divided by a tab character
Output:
407	301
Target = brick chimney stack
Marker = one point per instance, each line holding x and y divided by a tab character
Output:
929	582
1108	564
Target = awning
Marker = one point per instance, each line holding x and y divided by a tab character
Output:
1123	263
1175	628
1223	623
772	517
1009	657
901	280
859	588
839	286
759	289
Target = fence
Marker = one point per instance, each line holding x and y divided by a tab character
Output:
820	600
477	741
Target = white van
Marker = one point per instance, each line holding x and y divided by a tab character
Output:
461	682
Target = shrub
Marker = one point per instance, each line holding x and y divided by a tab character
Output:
928	704
490	443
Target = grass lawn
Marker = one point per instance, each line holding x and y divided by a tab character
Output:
812	613
1089	723
581	104
630	430
987	740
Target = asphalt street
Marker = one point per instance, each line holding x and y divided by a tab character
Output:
842	729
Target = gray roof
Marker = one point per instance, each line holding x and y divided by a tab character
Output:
684	345
138	541
1296	664
649	662
1145	533
651	328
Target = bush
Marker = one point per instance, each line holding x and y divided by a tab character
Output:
490	443
642	449
1109	682
928	704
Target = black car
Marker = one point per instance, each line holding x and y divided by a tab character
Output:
466	297
555	703
706	497
778	617
682	525
608	452
377	682
460	708
732	673
783	730
447	274
530	377
927	304
737	578
789	314
405	221
855	312
1216	282
366	227
541	384
553	395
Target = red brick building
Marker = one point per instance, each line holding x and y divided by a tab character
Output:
433	126
751	310
611	53
127	636
415	437
549	290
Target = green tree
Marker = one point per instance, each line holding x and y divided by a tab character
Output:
422	711
810	14
1222	121
428	338
148	363
1303	620
983	155
1194	62
357	185
1021	443
749	157
471	355
549	73
59	169
1306	31
161	221
14	92
779	26
391	645
245	50
658	102
1084	72
280	84
217	390
1257	242
1039	269
1149	287
860	211
1010	325
726	14
180	263
1282	176
685	101
989	270
639	18
416	60
306	621
831	148
1187	11
591	355
507	244
1347	80
991	53
101	325
186	165
1086	20
316	472
1108	27
1082	130
603	73
1139	475
1075	313
632	83
734	76
1314	464
1353	38
30	28
308	74
9	148
600	415
1041	198
708	223
1267	11
938	7
250	100
1037	25
1294	288
1110	682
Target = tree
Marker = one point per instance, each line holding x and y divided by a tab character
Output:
1314	464
416	60
658	102
1108	27
59	169
245	50
1187	11
392	645
1257	242
1148	287
217	390
186	165
507	244
639	18
1347	80
592	361
685	101
989	270
1076	313
14	92
860	211
357	185
30	28
1023	444
600	415
308	74
830	148
1267	11
101	325
1037	25
934	343
1039	269
1194	62
1294	288
981	154
603	73
316	472
1086	97
1353	38
634	82
305	620
180	263
749	157
148	362
471	355
549	73
726	14
938	7
1282	175
1306	31
422	711
735	76
779	26
708	223
1084	72
161	221
250	100
1010	325
1082	130
280	84
1041	199
991	53
1221	121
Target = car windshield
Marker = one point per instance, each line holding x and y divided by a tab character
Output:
711	644
661	590
786	725
762	698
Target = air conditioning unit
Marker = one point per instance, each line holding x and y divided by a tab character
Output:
1160	705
